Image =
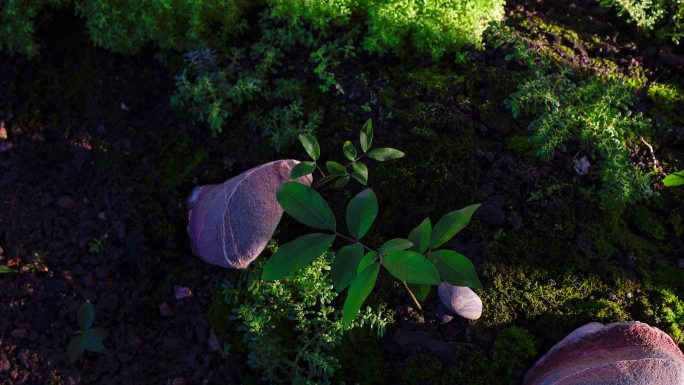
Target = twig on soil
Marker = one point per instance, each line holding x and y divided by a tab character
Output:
656	164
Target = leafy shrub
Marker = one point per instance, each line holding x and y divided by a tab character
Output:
670	311
595	111
216	90
666	96
435	27
17	24
417	261
126	25
290	327
665	17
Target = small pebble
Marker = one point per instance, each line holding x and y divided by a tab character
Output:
182	292
102	216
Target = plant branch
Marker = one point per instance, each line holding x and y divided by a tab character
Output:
413	297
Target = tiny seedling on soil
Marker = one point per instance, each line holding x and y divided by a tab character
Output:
88	338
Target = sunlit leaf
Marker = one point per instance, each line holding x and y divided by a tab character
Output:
411	267
455	268
343	269
674	179
359	290
336	168
420	236
385	153
310	145
360	172
368	259
450	224
395	244
366	135
306	206
361	212
302	168
295	255
349	150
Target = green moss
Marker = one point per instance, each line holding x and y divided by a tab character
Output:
666	96
515	294
668	313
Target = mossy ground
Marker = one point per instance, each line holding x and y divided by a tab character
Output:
555	262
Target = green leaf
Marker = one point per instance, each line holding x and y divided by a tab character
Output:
450	224
341	182
5	269
302	168
306	206
385	153
92	341
411	267
360	172
86	315
310	145
343	269
75	348
366	261
102	333
336	168
420	291
455	268
674	179
395	244
349	150
366	135
420	236
361	212
294	255
359	290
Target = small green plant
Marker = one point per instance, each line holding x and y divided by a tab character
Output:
434	27
664	17
417	260
96	245
595	111
289	326
87	338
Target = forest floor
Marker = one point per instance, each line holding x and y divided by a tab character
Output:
92	207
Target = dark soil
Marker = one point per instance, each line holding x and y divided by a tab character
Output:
92	201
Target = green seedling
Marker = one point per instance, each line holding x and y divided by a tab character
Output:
87	338
418	262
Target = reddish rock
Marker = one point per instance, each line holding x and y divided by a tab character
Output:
231	223
460	300
630	353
